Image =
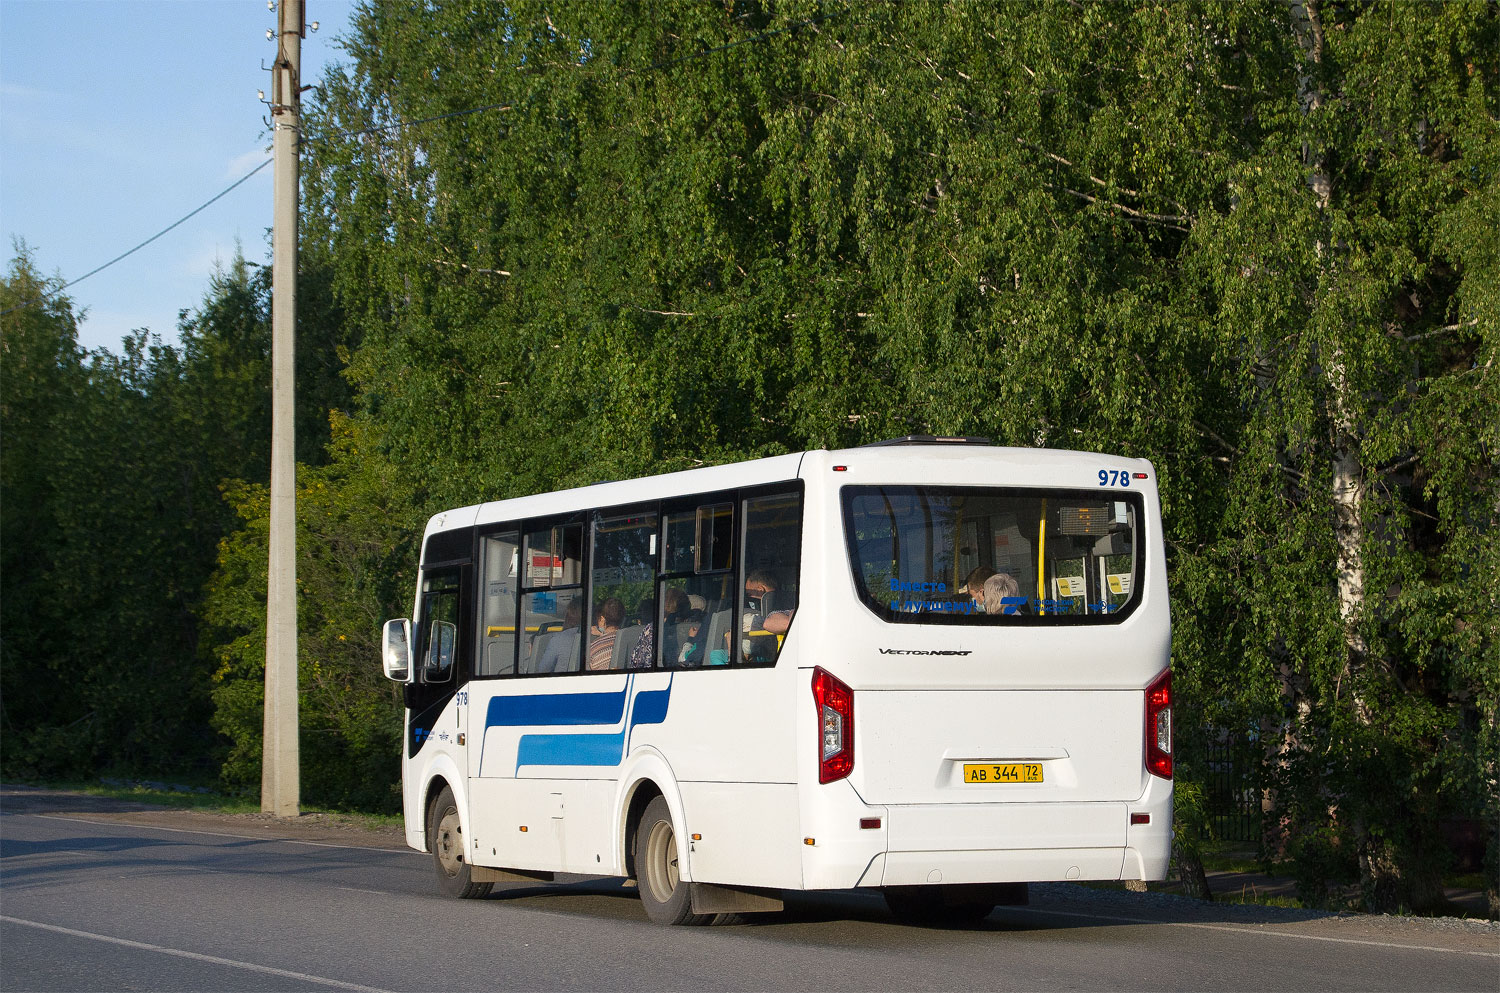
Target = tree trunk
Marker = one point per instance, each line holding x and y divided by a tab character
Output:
1348	492
1380	875
1190	871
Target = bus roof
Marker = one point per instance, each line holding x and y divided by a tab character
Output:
909	459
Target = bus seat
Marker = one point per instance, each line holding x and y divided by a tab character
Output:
669	643
718	627
625	643
538	645
497	656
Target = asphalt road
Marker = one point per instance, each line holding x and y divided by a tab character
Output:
88	904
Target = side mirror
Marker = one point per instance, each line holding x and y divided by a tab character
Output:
396	650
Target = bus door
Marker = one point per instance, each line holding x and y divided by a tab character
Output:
530	621
495	655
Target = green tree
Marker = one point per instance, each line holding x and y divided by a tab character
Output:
42	377
112	514
355	567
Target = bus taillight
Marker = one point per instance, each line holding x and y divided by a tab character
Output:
835	703
1159	726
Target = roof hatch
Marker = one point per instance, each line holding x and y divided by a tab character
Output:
928	439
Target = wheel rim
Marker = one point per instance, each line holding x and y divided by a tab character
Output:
661	861
450	842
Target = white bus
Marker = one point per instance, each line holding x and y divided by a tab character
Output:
930	667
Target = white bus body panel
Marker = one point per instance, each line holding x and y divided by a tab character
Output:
536	765
912	745
929	697
440	758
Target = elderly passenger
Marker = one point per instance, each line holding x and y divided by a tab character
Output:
996	589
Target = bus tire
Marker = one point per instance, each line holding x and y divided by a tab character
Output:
933	906
445	836
664	894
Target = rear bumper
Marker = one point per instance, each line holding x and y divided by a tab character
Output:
921	844
1000	865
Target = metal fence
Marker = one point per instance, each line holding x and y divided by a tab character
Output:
1230	791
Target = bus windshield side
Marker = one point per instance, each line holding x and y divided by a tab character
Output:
971	555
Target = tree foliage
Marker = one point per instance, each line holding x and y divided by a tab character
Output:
112	468
111	510
356	555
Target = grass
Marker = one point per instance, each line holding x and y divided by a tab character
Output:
163	795
1470	881
187	796
1249	896
1230	856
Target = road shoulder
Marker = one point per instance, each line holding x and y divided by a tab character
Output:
327	829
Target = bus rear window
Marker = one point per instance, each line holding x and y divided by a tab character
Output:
969	555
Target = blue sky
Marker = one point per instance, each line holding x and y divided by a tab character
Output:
118	117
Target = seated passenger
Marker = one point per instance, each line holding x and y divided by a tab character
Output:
562	647
974	584
674	604
691	626
758	585
997	589
607	621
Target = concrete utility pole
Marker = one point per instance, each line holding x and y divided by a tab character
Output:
280	782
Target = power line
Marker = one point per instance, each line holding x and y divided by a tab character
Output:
399	125
218	196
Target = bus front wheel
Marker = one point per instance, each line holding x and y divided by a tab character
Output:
663	893
445	836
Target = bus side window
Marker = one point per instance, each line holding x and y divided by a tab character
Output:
551	603
499	561
624	576
440	651
772	571
697	584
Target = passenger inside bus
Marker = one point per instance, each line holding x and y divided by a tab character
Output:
1002	594
674	607
561	651
974	584
763	603
607	621
689	630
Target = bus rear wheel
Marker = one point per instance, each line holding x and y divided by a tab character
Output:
664	894
445	836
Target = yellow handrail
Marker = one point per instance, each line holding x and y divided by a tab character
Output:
1041	563
495	630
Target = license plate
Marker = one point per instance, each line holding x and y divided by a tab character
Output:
1003	772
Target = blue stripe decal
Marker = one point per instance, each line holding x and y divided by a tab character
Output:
595	749
570	749
554	709
651	706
